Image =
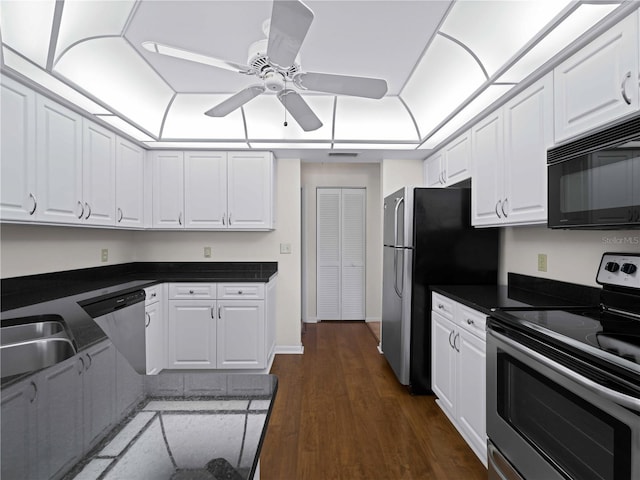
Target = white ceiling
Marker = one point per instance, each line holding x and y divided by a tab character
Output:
441	60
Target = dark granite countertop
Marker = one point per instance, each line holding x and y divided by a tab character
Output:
523	291
201	425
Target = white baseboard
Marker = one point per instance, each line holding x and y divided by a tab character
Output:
311	320
380	349
289	350
373	319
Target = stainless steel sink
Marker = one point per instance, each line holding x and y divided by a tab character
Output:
33	344
30	331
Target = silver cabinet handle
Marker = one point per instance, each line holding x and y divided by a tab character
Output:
623	88
180	218
191	292
498	205
121	215
35	204
212	314
88	209
35	392
219	312
239	292
148	319
82	211
450	343
80	365
454	342
504	202
441	307
470	322
90	361
229	218
153	295
224	222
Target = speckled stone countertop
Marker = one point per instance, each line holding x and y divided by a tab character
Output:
198	426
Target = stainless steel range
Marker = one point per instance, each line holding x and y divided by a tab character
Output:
563	386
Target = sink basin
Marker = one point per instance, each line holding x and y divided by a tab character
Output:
33	343
29	331
32	355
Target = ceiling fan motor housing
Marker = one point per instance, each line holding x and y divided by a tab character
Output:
260	65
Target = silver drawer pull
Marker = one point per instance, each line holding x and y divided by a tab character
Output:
191	292
239	292
35	205
470	322
441	306
623	88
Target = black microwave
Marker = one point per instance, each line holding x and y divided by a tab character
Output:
594	181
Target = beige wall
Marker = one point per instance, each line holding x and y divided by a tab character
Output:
27	250
572	255
32	249
401	173
363	175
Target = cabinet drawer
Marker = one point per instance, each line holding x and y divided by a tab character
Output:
152	294
192	290
442	305
472	321
229	291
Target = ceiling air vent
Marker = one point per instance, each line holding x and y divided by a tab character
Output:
343	154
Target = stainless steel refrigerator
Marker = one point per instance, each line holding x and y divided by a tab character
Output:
428	240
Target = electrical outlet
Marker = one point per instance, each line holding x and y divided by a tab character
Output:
207	252
104	255
285	248
542	262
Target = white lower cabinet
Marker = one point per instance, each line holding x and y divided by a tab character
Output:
192	334
459	372
220	326
241	334
155	340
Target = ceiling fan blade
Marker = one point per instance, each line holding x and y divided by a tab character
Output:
236	101
342	84
290	22
194	57
300	110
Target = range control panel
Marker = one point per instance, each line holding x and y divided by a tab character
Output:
620	269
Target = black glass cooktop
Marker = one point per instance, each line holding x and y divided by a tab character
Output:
610	336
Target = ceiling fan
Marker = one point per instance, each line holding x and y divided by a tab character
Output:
275	61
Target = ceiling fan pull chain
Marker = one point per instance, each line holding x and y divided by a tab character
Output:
285	102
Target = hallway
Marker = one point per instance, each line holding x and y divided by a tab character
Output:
340	414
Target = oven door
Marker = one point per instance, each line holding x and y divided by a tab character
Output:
551	423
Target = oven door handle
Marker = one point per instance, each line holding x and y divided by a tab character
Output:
619	398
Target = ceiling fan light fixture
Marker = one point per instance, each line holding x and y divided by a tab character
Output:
274	81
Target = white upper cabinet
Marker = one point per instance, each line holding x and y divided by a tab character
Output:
250	194
528	124
599	83
129	184
59	161
205	189
18	199
168	190
99	175
450	165
509	159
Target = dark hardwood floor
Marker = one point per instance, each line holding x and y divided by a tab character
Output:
341	414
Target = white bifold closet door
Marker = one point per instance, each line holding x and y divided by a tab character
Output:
340	274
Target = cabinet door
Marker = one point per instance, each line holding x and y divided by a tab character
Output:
250	195
129	386
154	338
270	318
487	153
168	190
471	395
457	160
18	431
98	172
59	161
433	171
205	193
599	83
99	384
443	361
192	334
129	184
528	134
241	334
17	151
60	418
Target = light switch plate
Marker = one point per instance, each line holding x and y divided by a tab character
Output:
207	252
285	248
104	255
542	262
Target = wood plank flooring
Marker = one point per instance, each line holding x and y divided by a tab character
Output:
341	414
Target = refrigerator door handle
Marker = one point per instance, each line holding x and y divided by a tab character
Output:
399	201
395	272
